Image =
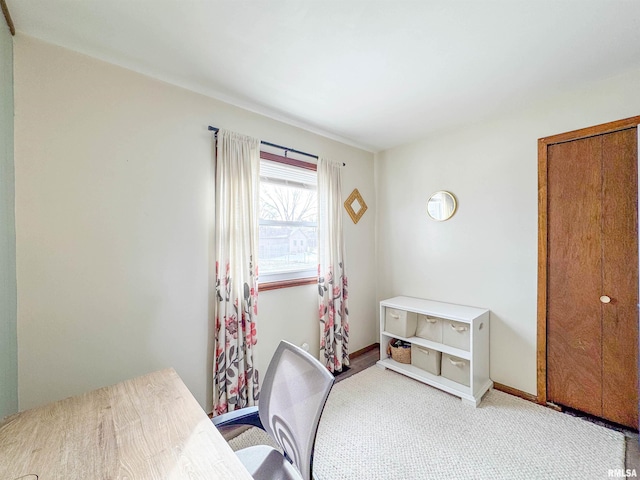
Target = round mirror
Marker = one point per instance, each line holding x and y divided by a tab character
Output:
441	206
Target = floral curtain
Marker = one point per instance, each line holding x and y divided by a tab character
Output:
235	379
332	275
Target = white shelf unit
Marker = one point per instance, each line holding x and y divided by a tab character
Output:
478	354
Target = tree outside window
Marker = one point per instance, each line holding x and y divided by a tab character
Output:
288	240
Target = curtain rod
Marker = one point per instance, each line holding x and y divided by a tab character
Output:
7	17
286	149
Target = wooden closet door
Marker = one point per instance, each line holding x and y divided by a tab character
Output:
620	277
574	330
592	295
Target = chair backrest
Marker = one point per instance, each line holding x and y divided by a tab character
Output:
294	391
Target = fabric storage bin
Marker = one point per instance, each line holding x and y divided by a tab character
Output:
456	369
429	328
400	322
456	334
425	358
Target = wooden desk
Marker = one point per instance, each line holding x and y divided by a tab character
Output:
150	427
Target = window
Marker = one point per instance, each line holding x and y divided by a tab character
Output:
288	224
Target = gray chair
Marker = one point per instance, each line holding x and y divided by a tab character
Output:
294	392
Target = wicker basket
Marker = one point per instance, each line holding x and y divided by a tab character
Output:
399	354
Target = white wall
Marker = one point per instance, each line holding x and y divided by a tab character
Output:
113	187
486	255
8	336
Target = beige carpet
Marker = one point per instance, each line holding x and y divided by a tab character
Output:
379	424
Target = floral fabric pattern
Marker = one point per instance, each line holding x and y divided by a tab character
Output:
332	278
235	378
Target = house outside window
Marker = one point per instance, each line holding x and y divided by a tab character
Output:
288	223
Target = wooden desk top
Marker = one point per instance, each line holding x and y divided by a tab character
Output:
149	427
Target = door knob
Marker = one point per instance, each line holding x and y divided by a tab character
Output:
605	299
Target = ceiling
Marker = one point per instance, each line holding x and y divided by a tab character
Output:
372	73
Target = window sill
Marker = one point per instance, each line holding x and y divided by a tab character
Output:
263	287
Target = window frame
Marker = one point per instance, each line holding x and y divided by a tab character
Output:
292	282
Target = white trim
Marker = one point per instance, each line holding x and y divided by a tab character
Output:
288	275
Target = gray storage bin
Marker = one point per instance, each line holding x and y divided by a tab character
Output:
400	322
425	358
429	328
456	334
456	369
